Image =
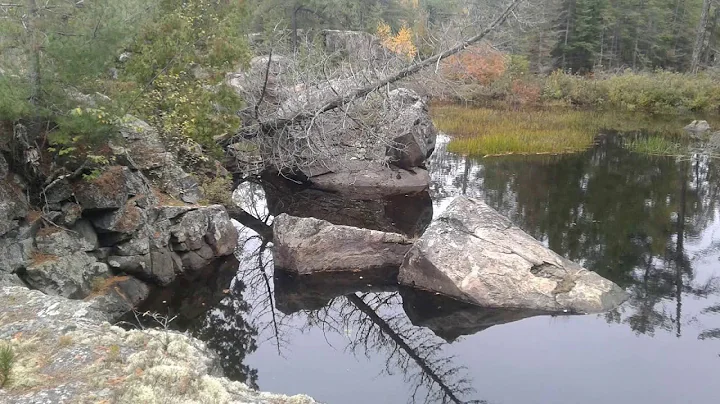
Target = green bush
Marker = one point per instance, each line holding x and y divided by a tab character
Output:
7	360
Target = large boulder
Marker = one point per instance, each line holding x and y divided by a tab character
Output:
474	254
73	275
308	245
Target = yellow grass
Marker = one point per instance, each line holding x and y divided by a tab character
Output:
488	132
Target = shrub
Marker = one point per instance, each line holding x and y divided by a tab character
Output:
7	360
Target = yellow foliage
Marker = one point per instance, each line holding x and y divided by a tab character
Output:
401	44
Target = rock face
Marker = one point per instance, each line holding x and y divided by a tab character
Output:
66	352
308	245
145	151
94	230
474	254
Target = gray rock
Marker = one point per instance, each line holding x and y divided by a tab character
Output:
71	212
119	295
221	235
189	232
698	127
59	192
58	242
413	132
7	279
139	245
15	254
193	261
4	167
148	153
72	275
97	362
108	191
307	245
159	267
126	219
13	205
86	230
474	254
364	180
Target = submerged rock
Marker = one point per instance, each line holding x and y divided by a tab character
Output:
474	254
308	245
67	352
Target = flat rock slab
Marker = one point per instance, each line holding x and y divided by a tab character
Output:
474	254
309	245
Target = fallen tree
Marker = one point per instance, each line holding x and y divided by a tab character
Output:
276	124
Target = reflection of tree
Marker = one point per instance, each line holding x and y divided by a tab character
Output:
375	323
623	215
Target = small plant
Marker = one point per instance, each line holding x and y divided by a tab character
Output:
113	354
7	360
65	341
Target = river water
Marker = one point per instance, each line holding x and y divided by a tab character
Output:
650	224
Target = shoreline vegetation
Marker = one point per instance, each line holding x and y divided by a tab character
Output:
563	113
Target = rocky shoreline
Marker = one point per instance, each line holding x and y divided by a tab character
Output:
67	352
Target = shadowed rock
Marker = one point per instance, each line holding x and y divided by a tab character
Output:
308	245
450	319
474	254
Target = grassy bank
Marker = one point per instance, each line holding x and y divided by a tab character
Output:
483	131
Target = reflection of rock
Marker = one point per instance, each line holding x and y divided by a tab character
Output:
188	298
313	292
450	319
308	245
474	254
406	214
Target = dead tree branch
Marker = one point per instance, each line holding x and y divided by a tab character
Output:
269	127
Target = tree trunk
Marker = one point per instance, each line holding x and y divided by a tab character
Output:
700	37
269	127
33	53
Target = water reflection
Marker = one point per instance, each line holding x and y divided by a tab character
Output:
649	224
625	216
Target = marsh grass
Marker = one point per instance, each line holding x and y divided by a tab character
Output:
654	145
488	132
7	360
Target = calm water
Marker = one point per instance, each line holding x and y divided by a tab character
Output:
652	225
